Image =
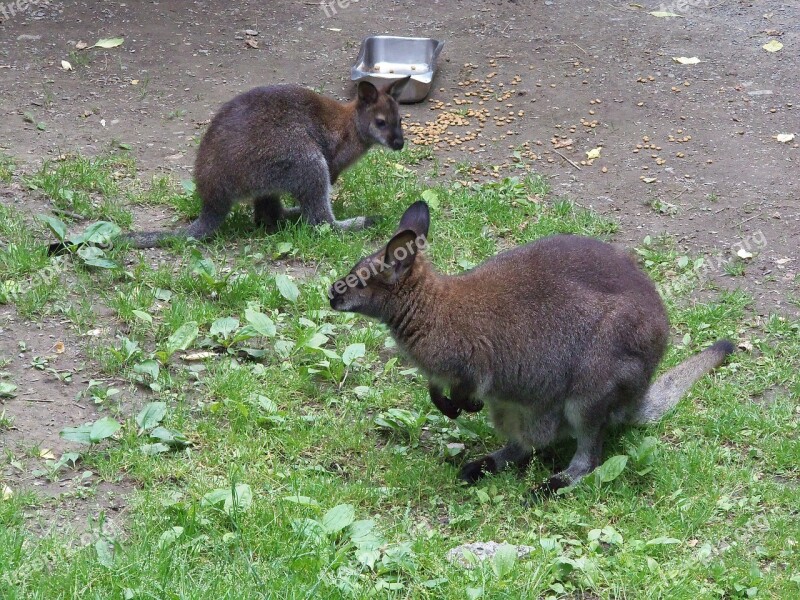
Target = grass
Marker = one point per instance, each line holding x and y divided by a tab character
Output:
321	422
6	167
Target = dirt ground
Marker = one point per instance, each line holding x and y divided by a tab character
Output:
687	150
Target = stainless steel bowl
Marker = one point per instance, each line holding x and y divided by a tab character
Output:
383	58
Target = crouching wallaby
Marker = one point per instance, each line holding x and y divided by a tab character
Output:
560	338
285	139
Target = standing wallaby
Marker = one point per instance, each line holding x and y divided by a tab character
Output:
285	139
560	338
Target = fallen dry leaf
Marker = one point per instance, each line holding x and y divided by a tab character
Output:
772	46
684	60
7	492
109	43
663	14
742	253
745	345
134	82
66	65
59	347
198	356
251	42
784	138
782	261
46	453
81	46
593	153
649	179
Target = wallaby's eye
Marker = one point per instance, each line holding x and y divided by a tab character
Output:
380	123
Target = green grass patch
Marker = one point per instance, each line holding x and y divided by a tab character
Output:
301	458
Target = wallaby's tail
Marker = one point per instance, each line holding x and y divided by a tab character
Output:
149	239
201	228
668	389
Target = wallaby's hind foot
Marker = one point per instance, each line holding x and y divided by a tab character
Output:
474	471
511	454
356	223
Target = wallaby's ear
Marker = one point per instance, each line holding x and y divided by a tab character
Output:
401	251
417	218
367	93
396	88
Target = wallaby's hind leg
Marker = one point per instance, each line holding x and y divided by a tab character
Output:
585	460
268	211
511	454
209	220
314	198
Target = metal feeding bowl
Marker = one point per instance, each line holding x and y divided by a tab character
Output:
384	58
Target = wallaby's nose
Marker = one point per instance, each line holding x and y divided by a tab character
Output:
398	143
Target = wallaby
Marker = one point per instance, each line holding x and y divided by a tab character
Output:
285	139
560	338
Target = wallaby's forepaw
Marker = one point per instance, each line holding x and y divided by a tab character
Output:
472	472
446	406
472	405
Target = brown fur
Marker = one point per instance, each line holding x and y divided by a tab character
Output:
560	338
285	139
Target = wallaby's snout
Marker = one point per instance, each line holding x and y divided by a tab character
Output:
397	142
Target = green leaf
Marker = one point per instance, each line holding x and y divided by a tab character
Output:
504	560
151	415
81	434
611	469
153	449
101	232
96	257
174	439
432	198
283	248
302	500
224	327
287	288
338	518
182	338
7	389
103	428
662	541
260	322
143	316
108	43
203	266
239	499
55	225
170	536
148	367
105	553
353	352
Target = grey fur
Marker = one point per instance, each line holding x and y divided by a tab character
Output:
559	338
285	139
